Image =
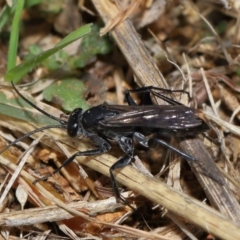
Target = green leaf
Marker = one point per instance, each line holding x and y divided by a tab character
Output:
22	69
91	45
94	44
69	93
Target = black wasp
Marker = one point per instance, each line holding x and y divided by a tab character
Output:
124	124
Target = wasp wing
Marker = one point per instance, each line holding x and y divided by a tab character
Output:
172	117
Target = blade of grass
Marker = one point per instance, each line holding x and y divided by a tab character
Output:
13	44
22	69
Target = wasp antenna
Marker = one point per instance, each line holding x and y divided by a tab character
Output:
36	107
30	133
